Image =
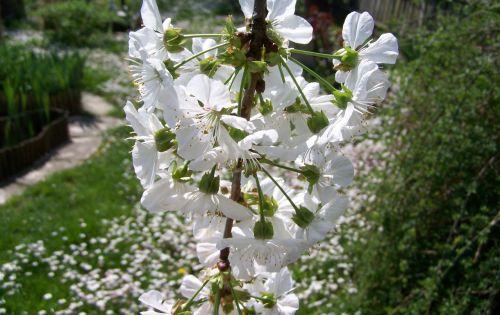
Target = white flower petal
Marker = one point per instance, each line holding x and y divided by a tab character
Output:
247	7
155	300
280	8
238	123
190	285
212	93
208	160
358	27
295	29
342	169
335	208
151	15
136	120
192	143
261	137
384	50
288	305
232	209
145	160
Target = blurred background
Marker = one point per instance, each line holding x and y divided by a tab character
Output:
421	236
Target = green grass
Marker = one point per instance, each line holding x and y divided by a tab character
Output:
99	188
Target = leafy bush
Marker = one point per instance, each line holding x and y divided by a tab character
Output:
433	245
76	22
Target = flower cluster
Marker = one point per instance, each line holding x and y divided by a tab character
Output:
215	121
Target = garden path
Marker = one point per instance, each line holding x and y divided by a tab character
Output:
86	135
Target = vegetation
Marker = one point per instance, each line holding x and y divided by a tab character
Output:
76	22
32	81
432	244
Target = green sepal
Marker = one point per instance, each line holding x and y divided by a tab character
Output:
173	40
303	217
312	174
242	295
230	29
273	58
170	65
209	184
233	56
227	307
317	122
181	174
164	139
269	206
265	107
263	230
297	107
274	37
342	97
209	66
235	133
257	66
348	58
268	300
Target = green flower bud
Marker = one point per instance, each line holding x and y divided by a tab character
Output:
311	173
342	97
269	300
164	139
263	230
317	122
209	184
303	217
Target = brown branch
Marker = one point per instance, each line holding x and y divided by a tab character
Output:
257	39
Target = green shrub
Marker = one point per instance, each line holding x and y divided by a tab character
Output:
433	242
76	22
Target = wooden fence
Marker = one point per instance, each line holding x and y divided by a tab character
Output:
408	13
